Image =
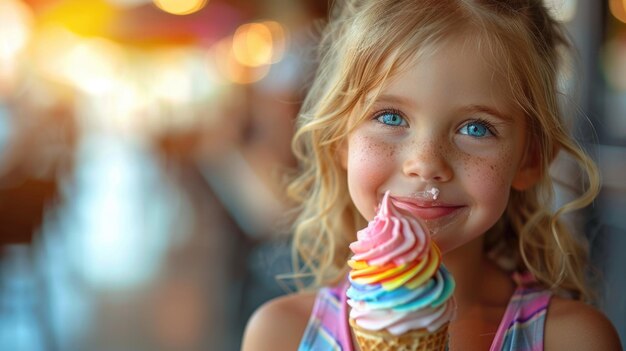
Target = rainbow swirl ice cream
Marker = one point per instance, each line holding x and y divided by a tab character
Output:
398	283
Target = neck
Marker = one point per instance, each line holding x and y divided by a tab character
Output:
478	280
466	265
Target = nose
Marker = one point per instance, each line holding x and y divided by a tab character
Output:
428	162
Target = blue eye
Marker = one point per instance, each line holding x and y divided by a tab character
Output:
391	119
476	129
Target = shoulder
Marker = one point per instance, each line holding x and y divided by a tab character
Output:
574	325
279	323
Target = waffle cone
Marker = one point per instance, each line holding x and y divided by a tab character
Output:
414	340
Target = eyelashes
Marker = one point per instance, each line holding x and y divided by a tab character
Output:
477	128
391	118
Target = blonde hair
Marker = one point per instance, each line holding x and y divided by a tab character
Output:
367	42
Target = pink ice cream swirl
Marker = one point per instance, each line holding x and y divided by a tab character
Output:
397	280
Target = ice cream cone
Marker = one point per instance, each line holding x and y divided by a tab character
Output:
400	294
414	340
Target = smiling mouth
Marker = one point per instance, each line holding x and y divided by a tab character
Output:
437	217
426	210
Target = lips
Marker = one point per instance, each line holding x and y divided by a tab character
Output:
427	210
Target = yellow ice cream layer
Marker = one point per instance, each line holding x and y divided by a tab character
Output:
391	276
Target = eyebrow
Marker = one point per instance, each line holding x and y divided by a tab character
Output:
488	110
392	99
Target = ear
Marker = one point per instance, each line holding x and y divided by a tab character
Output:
530	169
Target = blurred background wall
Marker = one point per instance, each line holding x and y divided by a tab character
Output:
143	147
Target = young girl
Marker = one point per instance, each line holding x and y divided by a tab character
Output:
458	95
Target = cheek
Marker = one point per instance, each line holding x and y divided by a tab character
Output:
489	178
368	158
370	164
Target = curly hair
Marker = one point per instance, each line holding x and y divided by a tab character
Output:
363	45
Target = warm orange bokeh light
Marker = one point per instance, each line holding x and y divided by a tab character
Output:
279	39
252	45
231	68
259	44
180	7
618	9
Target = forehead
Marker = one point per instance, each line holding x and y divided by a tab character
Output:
461	68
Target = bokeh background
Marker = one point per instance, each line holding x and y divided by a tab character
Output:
143	151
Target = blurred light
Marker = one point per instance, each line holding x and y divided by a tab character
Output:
210	73
117	110
16	21
196	84
618	9
52	45
258	44
49	45
246	57
252	45
129	3
231	68
88	18
279	39
20	327
180	7
120	218
562	10
170	71
92	65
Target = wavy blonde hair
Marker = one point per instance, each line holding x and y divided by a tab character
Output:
367	42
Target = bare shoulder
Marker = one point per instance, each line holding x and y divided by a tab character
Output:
279	323
574	325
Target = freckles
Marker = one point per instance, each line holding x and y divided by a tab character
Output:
370	149
369	156
390	151
489	174
499	173
504	162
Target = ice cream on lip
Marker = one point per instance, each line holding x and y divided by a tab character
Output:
424	208
397	282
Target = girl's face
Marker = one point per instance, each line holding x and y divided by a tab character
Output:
446	122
